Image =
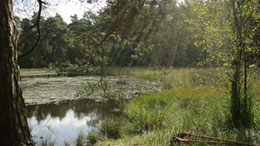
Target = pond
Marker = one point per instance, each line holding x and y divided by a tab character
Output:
63	122
59	108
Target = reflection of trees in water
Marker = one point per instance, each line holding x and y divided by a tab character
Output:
81	108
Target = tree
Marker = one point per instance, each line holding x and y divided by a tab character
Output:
54	42
228	34
13	123
148	33
27	33
241	101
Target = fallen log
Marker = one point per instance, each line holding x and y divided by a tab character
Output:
209	140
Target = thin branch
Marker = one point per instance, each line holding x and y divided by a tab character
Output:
37	24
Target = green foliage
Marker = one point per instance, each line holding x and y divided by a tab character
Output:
155	118
152	33
226	32
52	47
147	114
81	139
143	33
92	137
202	109
110	127
179	77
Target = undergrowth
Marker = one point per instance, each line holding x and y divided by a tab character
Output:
155	118
195	102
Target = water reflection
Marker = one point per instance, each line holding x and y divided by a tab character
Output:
64	121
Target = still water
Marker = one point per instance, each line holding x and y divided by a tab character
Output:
63	122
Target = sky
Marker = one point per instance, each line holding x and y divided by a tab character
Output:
71	8
65	9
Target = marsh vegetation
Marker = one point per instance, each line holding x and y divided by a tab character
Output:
193	99
200	104
135	72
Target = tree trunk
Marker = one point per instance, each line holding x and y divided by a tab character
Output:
14	129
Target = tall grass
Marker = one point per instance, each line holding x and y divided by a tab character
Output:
81	139
196	102
170	78
47	142
155	118
110	128
92	137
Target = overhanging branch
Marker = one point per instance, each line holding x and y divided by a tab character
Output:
37	24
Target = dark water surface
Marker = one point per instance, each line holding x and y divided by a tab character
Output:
63	122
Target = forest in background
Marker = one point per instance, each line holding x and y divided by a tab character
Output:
164	34
155	33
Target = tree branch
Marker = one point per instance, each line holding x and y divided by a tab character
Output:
37	24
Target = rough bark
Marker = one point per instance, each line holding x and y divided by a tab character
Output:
14	129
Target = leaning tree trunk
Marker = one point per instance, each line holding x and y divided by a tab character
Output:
14	129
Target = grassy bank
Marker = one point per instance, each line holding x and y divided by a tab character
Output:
195	102
169	78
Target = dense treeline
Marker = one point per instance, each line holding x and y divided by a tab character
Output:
164	34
